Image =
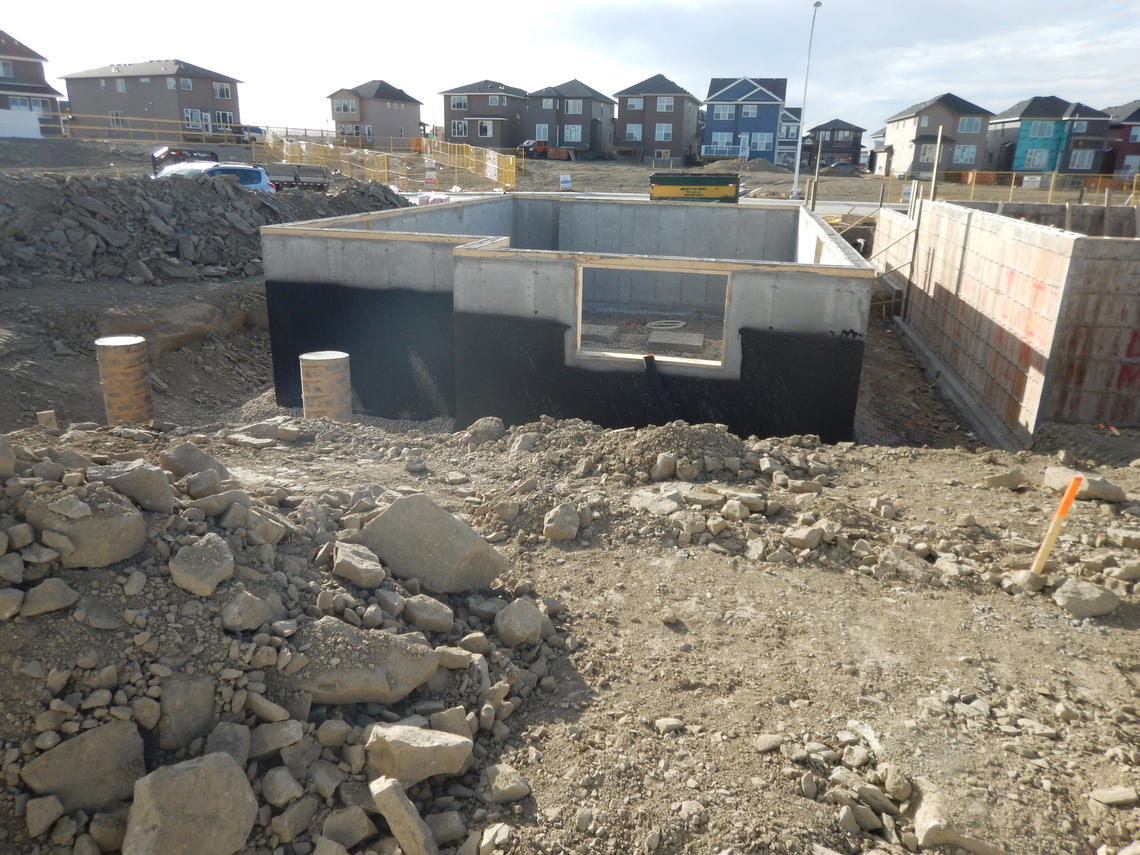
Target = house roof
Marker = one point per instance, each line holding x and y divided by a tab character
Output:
486	87
948	100
793	113
15	49
658	84
747	88
1125	113
1084	111
152	68
379	90
13	87
573	89
837	125
1037	107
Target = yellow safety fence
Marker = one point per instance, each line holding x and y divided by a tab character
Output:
361	164
493	165
1046	187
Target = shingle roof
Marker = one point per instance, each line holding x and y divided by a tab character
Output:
485	87
1037	107
837	125
153	68
777	86
658	84
950	101
12	87
573	89
1084	111
1129	112
378	89
17	49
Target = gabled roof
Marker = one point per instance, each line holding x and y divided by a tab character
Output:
747	89
573	89
948	100
1084	111
379	90
153	68
14	49
658	84
1037	107
837	125
486	87
1125	113
12	87
792	113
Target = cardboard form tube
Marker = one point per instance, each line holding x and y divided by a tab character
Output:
123	373
326	385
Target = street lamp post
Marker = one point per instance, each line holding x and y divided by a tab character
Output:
803	104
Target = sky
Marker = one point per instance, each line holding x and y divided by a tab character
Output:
869	58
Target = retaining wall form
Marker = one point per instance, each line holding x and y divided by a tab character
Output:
476	308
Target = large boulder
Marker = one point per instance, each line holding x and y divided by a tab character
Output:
1092	487
102	525
201	566
147	485
187	459
197	806
91	771
374	667
412	754
415	538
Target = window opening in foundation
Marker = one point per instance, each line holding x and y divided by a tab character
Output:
677	316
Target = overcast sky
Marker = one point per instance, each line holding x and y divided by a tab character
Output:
870	58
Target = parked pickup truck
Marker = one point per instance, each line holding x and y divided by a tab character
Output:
308	176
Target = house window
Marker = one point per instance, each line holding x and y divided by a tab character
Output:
171	83
1037	158
492	100
223	117
573	106
459	102
1132	163
486	129
542	132
664	132
144	80
923	121
926	153
344	105
1134	134
633	132
748	111
548	103
721	139
1082	158
102	84
186	83
222	91
192	117
120	86
1080	127
18	102
1040	130
6	68
843	136
662	152
635	103
349	130
969	124
115	119
42	106
368	132
761	142
571	133
722	112
664	103
789	131
459	128
965	153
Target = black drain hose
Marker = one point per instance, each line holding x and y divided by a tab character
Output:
659	387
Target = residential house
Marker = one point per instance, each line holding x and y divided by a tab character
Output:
788	137
1123	139
743	117
1086	138
878	160
24	88
375	111
487	113
911	137
836	141
1031	136
169	96
572	115
657	119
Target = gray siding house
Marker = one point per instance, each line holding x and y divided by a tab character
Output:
487	113
572	115
373	112
24	89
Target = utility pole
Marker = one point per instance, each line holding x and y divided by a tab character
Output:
803	104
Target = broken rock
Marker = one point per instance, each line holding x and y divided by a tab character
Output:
411	754
201	566
1058	477
405	822
1084	599
501	783
520	622
358	564
49	596
561	523
112	529
91	771
187	459
147	485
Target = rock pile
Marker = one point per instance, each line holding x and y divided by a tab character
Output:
148	231
252	669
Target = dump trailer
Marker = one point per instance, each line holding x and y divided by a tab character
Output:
308	176
694	186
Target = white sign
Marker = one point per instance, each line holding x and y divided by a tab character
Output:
429	179
429	163
563	182
1031	182
491	165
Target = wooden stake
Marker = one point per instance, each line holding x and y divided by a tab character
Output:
1055	526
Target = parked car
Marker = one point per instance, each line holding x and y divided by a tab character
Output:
534	148
841	169
164	156
249	176
248	133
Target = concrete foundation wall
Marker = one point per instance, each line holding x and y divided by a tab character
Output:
1122	221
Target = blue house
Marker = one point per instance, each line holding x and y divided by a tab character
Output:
1030	136
743	117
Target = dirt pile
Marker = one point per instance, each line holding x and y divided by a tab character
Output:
84	229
